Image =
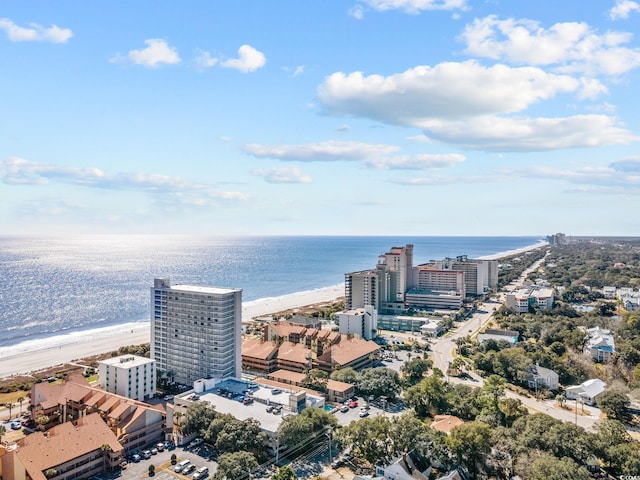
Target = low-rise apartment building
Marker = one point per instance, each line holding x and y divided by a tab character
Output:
529	297
131	376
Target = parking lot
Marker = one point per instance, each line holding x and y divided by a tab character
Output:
199	456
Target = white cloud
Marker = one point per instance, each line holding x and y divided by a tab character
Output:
282	175
448	90
298	71
249	60
320	152
344	128
631	164
596	179
410	6
205	60
18	171
417	162
357	12
156	52
567	47
35	32
623	8
492	133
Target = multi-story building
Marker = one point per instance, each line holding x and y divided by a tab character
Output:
359	321
522	299
131	376
361	288
196	331
479	275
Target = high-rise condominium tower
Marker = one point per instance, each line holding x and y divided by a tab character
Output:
196	331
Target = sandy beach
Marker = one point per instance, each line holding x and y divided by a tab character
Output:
60	354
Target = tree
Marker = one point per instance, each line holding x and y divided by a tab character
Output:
174	459
380	381
615	405
42	420
241	435
152	470
428	398
20	400
285	473
3	431
50	473
105	448
544	466
346	375
197	418
297	430
8	405
413	371
471	443
236	466
368	439
316	380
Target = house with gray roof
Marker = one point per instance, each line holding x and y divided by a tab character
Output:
600	344
586	392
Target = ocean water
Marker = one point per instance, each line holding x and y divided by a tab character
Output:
52	288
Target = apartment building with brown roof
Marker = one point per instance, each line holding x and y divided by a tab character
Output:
70	450
134	423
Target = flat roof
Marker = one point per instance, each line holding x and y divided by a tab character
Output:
127	361
197	289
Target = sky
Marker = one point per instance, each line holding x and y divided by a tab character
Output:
350	117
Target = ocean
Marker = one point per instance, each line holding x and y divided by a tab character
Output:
52	289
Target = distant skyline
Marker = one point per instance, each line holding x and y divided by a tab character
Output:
351	117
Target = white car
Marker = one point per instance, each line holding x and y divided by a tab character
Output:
196	442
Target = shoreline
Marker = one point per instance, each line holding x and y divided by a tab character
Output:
34	355
38	354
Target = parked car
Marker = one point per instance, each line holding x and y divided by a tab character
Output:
16	425
180	466
188	469
352	404
136	458
344	409
146	454
196	442
160	446
363	413
154	451
201	473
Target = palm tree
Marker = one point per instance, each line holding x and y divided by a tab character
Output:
3	431
8	405
106	449
20	400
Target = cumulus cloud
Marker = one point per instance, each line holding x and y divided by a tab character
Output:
18	171
417	162
35	32
156	53
623	8
249	60
320	152
492	133
409	6
448	90
282	175
567	47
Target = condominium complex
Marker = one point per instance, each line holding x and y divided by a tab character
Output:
396	284
131	376
524	298
196	331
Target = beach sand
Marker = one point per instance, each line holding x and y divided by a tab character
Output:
40	359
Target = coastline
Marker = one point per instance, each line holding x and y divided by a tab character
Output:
38	354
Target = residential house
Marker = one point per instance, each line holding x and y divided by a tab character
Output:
586	392
543	377
600	344
445	423
409	466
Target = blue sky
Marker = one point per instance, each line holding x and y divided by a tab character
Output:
356	117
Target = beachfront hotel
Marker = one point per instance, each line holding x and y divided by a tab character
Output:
196	331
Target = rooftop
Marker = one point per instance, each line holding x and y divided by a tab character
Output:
127	361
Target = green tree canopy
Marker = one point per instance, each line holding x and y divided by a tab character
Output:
346	375
236	466
379	382
197	418
615	405
414	370
285	473
296	430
